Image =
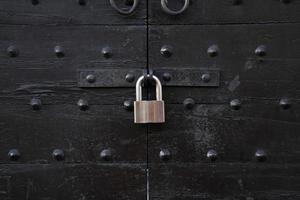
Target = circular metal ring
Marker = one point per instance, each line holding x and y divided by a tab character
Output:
124	12
172	12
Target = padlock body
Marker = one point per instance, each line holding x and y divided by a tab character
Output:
149	112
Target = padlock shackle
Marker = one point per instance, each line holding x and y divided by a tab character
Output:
139	88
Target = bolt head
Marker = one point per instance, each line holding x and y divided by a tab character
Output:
261	51
36	103
12	51
166	51
235	104
106	154
107	52
285	103
261	155
59	51
164	154
58	154
213	50
83	104
91	78
189	103
167	76
212	155
14	154
129	78
205	78
128	105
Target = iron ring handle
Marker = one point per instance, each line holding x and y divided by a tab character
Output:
123	12
172	12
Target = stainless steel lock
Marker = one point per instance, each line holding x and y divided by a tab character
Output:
149	111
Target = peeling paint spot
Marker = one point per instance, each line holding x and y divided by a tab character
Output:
234	83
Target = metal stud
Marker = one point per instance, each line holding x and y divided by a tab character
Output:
106	154
212	155
189	103
81	2
261	155
58	154
164	154
128	105
213	50
91	78
205	77
167	77
235	104
166	51
107	52
237	2
129	78
284	103
261	50
12	51
36	103
14	154
59	51
35	2
83	104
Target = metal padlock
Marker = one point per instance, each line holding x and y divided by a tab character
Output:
149	111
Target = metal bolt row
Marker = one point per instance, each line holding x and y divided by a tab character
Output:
212	51
59	51
188	103
212	155
107	155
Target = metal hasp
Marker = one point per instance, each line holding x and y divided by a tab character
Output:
149	111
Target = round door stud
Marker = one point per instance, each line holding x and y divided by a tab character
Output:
164	154
12	51
167	77
106	155
83	104
205	77
81	2
91	78
285	103
107	52
129	78
128	105
189	103
261	51
36	103
213	51
134	4
166	9
59	51
166	51
14	154
261	155
235	104
212	155
58	154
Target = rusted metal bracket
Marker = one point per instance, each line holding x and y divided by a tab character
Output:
185	77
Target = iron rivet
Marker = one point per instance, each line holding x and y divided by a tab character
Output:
167	76
82	2
58	154
164	154
107	52
59	51
205	78
213	50
189	103
212	155
166	51
261	50
83	104
237	2
36	103
90	78
129	78
235	104
285	103
35	2
12	51
128	105
106	154
14	154
261	155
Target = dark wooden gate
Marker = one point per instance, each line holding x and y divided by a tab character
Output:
230	72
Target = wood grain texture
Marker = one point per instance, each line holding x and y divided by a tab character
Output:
81	134
68	12
235	134
224	181
73	181
225	12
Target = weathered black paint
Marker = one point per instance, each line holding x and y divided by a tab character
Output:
234	135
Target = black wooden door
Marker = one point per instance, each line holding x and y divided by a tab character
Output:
230	75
